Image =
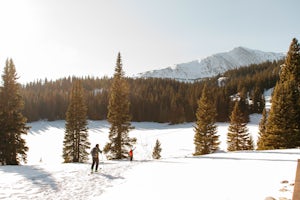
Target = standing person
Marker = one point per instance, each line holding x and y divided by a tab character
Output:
131	154
95	154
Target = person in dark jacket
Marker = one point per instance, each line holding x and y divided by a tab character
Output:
95	154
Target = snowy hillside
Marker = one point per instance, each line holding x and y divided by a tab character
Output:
252	175
214	65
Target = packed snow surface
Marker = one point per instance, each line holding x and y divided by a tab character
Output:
224	175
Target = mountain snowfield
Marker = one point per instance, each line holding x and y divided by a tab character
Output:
213	65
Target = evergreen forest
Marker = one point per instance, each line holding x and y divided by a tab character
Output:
153	99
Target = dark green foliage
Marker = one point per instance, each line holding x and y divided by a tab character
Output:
291	67
283	123
151	99
258	100
157	150
243	104
118	116
76	141
12	123
206	139
223	103
282	127
238	137
262	131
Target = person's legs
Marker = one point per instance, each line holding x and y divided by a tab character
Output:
97	163
94	161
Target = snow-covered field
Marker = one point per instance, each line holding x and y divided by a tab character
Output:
249	175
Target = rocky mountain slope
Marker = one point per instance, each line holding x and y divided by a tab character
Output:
214	65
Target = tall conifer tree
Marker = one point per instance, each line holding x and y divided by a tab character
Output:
238	137
291	67
118	116
12	123
282	127
283	124
206	139
262	130
76	141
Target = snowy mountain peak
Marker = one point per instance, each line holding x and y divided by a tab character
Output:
214	65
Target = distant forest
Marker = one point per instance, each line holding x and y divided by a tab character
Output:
153	99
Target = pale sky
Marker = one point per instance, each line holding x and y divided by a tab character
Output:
58	38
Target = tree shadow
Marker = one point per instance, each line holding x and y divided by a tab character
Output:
275	152
33	174
165	160
111	177
159	126
232	157
41	126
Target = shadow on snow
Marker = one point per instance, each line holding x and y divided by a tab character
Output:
231	156
34	174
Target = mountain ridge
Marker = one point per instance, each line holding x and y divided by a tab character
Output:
213	65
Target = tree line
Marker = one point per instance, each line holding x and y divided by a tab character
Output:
152	99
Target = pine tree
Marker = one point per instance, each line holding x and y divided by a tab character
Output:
291	67
258	101
243	104
118	116
76	141
206	139
283	124
156	151
262	131
12	123
282	128
222	105
238	137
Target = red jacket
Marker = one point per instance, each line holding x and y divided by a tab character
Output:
131	153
